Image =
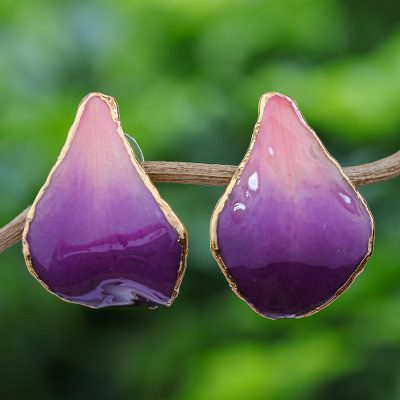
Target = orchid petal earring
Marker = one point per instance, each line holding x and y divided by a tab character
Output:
291	232
98	232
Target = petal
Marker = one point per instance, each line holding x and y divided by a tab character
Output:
98	233
290	232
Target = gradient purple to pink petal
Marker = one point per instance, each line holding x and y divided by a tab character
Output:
98	236
292	231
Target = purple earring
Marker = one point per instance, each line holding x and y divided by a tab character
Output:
98	232
291	232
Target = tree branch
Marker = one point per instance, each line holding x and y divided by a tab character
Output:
216	175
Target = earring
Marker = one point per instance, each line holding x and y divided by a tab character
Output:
98	232
291	232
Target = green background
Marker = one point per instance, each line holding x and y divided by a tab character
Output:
188	76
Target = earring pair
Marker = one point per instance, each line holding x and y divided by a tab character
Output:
290	233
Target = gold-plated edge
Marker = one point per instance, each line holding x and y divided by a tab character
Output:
221	203
166	209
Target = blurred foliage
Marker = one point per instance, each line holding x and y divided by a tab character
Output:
187	76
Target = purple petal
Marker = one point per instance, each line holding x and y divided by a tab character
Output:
291	232
98	233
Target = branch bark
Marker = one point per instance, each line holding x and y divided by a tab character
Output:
216	175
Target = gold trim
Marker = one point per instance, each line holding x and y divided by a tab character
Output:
221	203
166	209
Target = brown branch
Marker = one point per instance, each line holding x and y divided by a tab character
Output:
217	175
220	175
11	233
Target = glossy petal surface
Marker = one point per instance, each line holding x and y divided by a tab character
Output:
290	232
99	234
